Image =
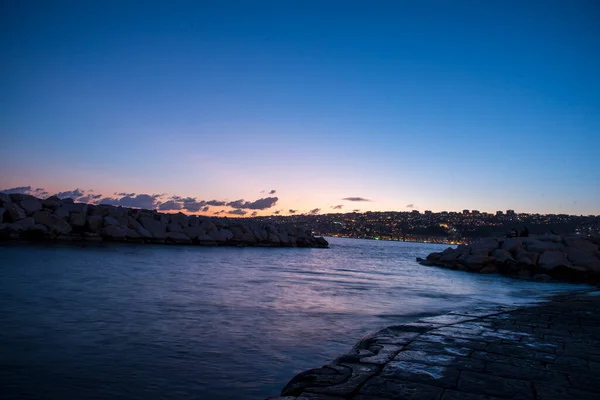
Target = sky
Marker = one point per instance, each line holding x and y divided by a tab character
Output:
277	106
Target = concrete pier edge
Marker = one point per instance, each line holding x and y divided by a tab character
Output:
546	350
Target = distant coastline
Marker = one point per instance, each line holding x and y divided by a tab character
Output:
27	217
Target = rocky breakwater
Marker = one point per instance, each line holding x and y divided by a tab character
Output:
27	217
572	258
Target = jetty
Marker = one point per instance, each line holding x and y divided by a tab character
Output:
25	217
545	351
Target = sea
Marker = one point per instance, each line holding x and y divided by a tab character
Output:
125	321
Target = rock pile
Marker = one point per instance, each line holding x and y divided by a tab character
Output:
575	258
27	217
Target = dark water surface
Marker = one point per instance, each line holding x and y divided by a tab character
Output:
177	322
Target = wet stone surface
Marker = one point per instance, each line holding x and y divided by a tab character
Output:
548	351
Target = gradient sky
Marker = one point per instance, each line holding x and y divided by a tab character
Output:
444	105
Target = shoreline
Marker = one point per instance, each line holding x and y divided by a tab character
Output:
550	346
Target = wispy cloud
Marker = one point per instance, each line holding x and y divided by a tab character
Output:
260	204
355	199
314	211
237	212
338	207
292	211
411	205
273	191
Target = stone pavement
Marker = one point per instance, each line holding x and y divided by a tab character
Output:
548	351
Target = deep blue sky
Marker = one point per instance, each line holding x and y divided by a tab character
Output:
441	104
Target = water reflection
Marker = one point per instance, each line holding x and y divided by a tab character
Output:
133	322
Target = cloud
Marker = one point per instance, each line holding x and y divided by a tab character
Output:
411	205
338	207
144	201
273	191
237	212
191	204
292	211
277	212
204	209
254	214
216	203
260	204
219	212
169	206
357	210
39	192
125	194
355	199
73	194
314	211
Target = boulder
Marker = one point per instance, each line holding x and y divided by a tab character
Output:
512	245
19	197
582	244
476	262
4	199
13	212
487	245
194	232
114	232
110	221
31	205
61	212
550	260
174	227
273	239
181	219
25	223
81	208
502	256
132	234
208	226
51	202
156	228
37	232
540	246
527	258
54	223
584	259
94	223
77	220
178	238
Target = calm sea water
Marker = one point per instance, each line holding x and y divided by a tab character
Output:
144	322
